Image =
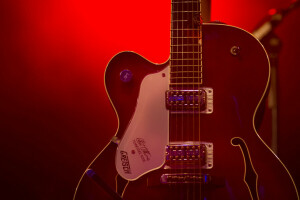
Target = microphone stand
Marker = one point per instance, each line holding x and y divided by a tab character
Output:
272	43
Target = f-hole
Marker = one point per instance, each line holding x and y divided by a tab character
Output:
250	176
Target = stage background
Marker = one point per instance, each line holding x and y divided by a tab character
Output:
54	113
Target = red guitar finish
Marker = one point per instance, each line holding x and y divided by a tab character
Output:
236	67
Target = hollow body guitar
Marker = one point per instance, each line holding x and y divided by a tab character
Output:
193	137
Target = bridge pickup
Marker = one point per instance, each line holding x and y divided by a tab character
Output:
189	155
190	101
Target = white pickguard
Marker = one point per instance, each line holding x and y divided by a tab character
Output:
143	146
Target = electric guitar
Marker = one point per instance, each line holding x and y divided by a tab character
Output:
187	128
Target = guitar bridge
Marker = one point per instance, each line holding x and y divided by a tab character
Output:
189	155
185	178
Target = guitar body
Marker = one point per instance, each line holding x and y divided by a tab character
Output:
241	166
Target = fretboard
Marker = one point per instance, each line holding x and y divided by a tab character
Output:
186	55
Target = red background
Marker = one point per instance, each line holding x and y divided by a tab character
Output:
54	113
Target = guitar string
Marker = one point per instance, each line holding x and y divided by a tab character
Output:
185	39
195	62
176	54
177	129
182	105
177	88
177	85
199	98
172	115
193	118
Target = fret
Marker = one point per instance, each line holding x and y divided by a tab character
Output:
186	75
188	15
179	45
184	16
195	52
187	47
186	37
189	68
181	24
195	38
186	62
186	68
188	56
194	79
185	56
173	66
185	2
180	1
191	71
185	40
183	11
187	83
185	34
178	72
180	20
186	50
191	6
185	29
181	76
192	54
192	46
184	59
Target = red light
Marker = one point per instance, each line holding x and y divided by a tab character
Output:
272	11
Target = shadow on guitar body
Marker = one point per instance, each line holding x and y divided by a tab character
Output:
207	156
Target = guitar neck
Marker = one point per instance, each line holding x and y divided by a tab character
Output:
186	43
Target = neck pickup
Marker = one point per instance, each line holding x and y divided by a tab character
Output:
190	101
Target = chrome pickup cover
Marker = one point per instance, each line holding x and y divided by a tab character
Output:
190	101
189	155
185	178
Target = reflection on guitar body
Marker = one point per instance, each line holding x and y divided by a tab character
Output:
187	127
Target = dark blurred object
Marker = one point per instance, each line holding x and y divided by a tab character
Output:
279	32
274	18
265	33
